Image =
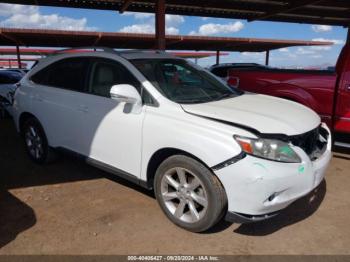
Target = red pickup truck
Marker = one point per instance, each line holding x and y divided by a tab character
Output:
325	91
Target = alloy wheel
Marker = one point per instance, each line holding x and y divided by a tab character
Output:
34	142
184	195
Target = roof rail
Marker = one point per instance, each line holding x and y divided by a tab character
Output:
95	48
143	50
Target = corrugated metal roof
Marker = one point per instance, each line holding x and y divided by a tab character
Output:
58	38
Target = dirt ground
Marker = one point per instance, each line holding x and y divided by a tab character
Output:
71	208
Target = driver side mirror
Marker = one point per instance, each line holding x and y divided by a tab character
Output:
125	93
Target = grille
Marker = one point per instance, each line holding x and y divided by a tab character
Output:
309	141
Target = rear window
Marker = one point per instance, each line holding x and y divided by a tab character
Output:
220	71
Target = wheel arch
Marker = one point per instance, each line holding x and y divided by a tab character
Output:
159	156
22	119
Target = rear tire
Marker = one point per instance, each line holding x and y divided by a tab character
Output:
190	195
36	144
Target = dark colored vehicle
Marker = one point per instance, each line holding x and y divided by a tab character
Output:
8	79
325	91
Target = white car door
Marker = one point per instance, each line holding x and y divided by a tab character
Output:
55	93
112	134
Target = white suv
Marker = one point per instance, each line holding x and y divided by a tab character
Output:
207	150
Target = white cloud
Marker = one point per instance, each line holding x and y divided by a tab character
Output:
138	29
321	47
321	28
304	51
138	15
335	41
214	29
172	22
284	50
147	29
171	31
30	17
326	47
10	9
253	54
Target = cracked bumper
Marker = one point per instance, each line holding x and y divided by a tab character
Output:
257	188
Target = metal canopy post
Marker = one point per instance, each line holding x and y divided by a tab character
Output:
160	24
18	57
217	57
267	58
348	38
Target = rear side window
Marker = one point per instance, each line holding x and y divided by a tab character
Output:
68	74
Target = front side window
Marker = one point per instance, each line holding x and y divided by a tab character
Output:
68	74
182	82
107	73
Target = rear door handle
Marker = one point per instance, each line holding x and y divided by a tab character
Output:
38	98
83	109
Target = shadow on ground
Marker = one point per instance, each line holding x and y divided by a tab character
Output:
15	217
296	212
17	171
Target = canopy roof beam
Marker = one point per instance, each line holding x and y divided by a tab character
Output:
285	9
125	6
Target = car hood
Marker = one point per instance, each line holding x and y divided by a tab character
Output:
266	114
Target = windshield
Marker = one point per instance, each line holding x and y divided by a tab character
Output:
182	82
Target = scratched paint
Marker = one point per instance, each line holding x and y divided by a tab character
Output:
260	165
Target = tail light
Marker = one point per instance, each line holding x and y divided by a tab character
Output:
233	81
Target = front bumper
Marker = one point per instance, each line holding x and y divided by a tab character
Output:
257	188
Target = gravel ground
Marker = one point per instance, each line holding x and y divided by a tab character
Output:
71	208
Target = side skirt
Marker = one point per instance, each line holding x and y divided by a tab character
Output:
105	167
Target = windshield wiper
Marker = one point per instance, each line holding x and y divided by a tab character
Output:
190	101
224	96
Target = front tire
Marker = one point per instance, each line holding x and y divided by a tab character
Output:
35	142
190	195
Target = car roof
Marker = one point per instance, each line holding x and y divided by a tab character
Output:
127	54
136	54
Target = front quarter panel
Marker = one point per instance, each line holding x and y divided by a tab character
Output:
171	127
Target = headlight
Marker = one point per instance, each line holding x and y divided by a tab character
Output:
269	149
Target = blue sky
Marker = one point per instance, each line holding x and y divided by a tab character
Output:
112	21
